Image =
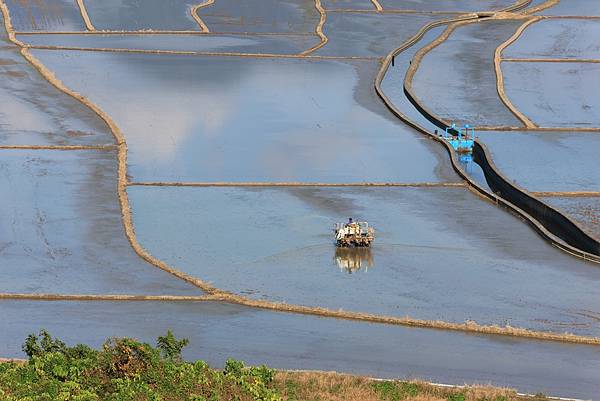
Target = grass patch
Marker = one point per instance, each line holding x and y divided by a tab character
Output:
125	369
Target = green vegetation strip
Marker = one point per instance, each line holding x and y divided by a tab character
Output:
125	369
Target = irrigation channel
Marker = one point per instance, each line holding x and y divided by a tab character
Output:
170	174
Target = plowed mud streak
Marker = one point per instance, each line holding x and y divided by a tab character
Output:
318	30
298	184
196	17
500	77
84	14
215	294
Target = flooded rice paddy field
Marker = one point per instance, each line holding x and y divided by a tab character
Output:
446	5
46	15
132	15
275	16
370	34
561	162
584	210
466	91
559	38
440	253
555	94
62	230
242	119
36	113
277	44
218	331
348	4
574	8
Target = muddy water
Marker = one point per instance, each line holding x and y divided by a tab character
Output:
277	16
558	39
219	331
446	5
348	4
132	15
574	7
62	230
466	91
239	119
279	44
33	112
440	253
584	210
370	34
555	94
562	161
45	15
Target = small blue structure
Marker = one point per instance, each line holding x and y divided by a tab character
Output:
459	138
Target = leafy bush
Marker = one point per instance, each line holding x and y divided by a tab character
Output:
126	369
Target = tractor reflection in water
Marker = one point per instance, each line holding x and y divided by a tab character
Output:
350	260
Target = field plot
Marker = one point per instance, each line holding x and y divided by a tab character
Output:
582	8
63	232
242	119
370	34
276	16
560	38
466	92
276	244
35	113
562	161
584	210
348	4
218	331
279	44
446	5
45	15
132	15
555	94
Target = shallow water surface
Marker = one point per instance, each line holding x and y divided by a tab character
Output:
62	230
546	161
370	34
558	39
288	341
446	5
584	210
466	91
555	94
191	118
279	44
45	15
439	253
574	7
133	15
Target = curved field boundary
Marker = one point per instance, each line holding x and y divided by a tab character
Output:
84	14
196	17
377	5
568	194
105	297
500	77
552	225
539	129
542	7
224	296
318	30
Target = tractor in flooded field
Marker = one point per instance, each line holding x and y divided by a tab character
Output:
353	234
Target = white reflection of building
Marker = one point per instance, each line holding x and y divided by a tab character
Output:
351	260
